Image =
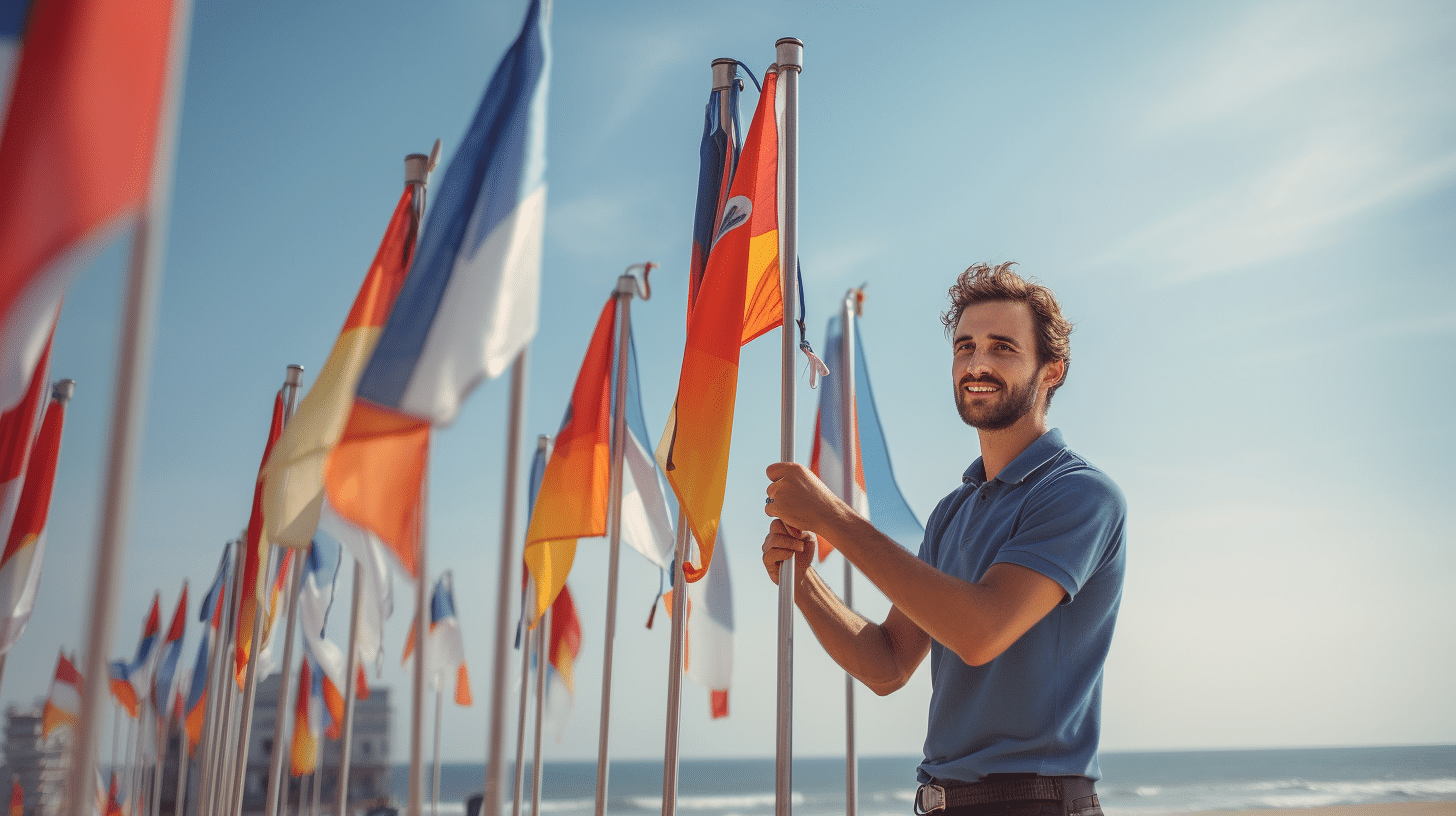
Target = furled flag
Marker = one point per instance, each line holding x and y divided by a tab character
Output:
76	155
315	598
293	488
273	623
307	719
708	653
647	525
563	646
444	645
164	682
466	309
194	705
17	799
63	705
17	436
131	681
24	555
741	282
255	557
376	597
718	157
572	502
876	495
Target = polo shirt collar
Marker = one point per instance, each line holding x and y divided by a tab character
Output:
1038	453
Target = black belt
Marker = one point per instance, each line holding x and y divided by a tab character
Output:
933	797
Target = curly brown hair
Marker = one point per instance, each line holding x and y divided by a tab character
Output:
983	282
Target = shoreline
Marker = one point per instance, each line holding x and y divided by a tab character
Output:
1369	809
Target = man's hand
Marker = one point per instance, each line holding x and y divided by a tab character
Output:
783	543
798	498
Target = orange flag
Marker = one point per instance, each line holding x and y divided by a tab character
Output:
572	500
738	300
255	555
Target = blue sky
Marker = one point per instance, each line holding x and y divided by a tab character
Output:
1245	207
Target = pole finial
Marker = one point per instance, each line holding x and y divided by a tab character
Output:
789	53
416	168
63	390
295	375
725	71
627	283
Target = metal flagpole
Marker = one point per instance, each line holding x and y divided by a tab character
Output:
282	709
159	733
528	640
848	421
626	287
220	685
346	738
417	691
675	664
543	660
439	710
250	680
790	54
144	280
725	73
417	167
495	741
318	785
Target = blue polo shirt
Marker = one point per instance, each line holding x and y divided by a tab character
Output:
1036	708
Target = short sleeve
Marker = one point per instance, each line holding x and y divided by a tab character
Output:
1070	526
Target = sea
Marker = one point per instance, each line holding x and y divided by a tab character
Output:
1133	784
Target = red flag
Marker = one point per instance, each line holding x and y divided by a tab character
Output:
741	285
17	799
255	556
63	704
17	426
76	156
572	500
565	642
20	567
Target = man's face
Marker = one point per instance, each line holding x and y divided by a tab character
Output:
994	368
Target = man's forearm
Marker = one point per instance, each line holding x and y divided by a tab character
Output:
859	646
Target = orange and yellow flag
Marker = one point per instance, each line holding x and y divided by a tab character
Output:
739	299
572	501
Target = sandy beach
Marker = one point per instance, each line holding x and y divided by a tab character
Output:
1375	809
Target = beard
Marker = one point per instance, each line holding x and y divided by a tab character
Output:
1006	409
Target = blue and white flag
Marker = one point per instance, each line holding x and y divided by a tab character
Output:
469	303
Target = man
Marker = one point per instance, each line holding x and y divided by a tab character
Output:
1015	591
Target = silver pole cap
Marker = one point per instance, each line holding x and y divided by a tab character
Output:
790	53
416	168
724	72
295	375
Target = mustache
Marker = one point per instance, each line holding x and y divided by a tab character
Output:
984	378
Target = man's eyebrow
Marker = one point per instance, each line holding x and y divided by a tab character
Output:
1001	337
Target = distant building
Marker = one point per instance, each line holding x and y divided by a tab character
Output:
41	770
38	766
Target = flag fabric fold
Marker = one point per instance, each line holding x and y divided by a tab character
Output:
17	437
20	567
376	602
76	155
307	717
718	157
131	682
63	704
741	280
293	488
253	586
163	682
194	705
467	307
572	501
647	513
876	494
563	647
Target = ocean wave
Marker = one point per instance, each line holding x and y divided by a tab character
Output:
719	802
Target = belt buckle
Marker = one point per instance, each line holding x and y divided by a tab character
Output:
929	798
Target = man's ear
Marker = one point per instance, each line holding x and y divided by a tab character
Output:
1053	373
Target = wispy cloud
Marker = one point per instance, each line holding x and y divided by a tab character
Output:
1283	129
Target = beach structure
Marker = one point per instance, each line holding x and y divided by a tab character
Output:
369	760
36	763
